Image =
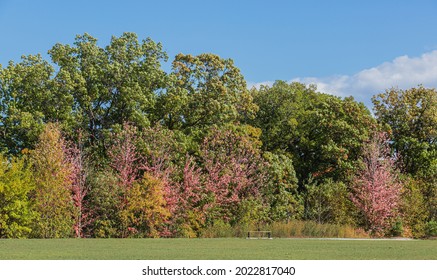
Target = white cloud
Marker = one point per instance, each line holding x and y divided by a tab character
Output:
403	72
258	85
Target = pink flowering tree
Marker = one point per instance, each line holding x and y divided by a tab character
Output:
376	188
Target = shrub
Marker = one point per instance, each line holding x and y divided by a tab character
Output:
328	202
397	229
431	229
218	229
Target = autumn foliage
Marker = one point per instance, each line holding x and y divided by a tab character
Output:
102	142
53	180
377	187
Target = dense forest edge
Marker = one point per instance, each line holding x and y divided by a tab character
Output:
102	142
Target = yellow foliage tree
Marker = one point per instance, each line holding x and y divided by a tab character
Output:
15	208
52	196
145	212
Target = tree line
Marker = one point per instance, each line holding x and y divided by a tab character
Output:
102	142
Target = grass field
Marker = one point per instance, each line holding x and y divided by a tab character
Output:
213	249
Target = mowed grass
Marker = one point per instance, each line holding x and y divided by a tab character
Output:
216	249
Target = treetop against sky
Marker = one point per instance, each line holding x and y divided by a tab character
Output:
346	48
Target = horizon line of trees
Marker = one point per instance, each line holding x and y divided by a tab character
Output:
101	142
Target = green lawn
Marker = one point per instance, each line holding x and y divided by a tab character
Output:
213	249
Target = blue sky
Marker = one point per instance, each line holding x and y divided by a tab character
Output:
345	47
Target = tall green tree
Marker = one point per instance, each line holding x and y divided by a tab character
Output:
322	133
204	90
279	107
412	117
16	183
110	85
26	89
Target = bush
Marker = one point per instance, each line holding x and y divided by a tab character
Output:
328	202
218	229
431	229
397	229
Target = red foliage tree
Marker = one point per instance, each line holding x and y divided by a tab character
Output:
232	166
190	213
157	159
148	151
75	158
191	191
125	160
376	186
124	156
